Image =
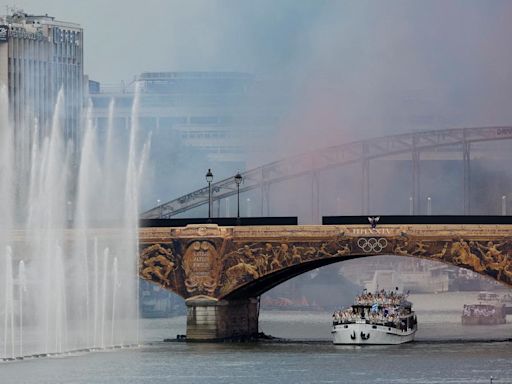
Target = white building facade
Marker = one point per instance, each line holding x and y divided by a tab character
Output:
39	56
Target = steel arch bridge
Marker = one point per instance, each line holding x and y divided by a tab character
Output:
363	151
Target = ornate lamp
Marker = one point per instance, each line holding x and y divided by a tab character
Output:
238	181
209	179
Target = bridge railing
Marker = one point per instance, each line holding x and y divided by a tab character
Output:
334	156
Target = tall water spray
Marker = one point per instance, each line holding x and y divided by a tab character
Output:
8	305
77	276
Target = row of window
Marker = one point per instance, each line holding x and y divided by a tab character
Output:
204	135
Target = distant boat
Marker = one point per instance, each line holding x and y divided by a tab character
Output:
379	318
488	296
507	301
483	314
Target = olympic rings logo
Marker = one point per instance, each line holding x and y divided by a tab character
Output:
372	244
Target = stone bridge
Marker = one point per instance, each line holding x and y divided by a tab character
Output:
222	271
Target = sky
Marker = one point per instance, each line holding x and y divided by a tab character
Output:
125	38
452	57
344	70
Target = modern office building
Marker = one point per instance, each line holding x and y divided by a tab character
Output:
38	57
198	120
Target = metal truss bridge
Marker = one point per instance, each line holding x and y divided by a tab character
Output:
314	162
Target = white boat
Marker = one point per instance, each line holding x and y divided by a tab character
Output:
488	296
379	318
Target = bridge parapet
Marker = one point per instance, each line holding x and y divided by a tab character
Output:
216	261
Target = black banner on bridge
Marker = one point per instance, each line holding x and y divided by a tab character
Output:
420	219
221	221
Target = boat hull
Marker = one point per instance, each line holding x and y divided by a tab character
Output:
370	334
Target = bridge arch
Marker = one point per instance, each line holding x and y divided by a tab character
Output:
221	270
485	257
362	152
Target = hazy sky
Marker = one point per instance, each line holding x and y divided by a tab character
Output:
126	37
339	70
374	66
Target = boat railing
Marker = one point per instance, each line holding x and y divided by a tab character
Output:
393	324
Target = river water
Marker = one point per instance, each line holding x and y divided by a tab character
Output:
445	352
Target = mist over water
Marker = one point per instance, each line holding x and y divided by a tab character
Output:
68	240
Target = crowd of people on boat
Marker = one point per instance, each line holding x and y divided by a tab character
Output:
479	311
381	307
378	316
381	297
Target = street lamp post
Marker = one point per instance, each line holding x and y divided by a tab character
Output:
209	179
238	180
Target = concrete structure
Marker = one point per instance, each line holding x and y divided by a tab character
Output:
39	56
222	271
209	319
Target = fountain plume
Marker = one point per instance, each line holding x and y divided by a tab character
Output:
75	281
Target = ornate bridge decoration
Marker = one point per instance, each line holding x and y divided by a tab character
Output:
213	265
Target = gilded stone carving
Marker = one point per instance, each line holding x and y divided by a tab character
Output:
441	255
201	267
344	250
323	251
157	264
216	262
296	255
239	273
462	254
421	249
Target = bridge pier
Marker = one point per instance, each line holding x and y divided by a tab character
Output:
213	320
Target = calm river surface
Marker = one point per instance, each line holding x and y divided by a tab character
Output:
445	352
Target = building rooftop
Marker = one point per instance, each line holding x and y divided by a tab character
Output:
18	16
193	75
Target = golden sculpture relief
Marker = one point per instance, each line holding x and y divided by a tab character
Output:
441	255
462	255
216	267
494	258
201	267
401	249
157	264
344	250
239	273
421	249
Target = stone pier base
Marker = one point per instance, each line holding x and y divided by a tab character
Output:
211	320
